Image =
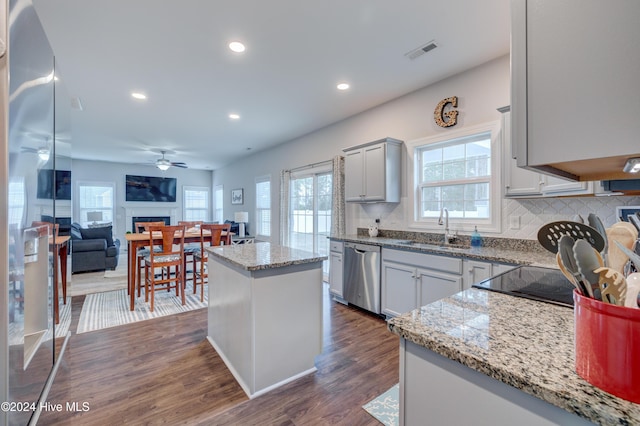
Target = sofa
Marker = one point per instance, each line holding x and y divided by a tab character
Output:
93	249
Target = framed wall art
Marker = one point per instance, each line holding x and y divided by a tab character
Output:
237	196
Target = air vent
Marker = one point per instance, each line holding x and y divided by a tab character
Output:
413	54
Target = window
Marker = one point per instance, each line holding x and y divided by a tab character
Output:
218	204
195	203
95	202
310	211
16	201
458	173
263	206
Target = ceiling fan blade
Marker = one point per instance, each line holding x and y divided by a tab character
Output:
182	165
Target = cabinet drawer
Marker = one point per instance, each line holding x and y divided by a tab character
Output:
430	261
335	246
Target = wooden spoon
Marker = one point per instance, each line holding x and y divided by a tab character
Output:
629	226
633	289
613	286
621	234
635	259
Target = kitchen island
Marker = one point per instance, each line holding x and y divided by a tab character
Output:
481	356
265	312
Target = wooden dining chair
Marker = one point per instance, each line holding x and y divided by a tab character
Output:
210	235
169	260
190	248
53	227
138	228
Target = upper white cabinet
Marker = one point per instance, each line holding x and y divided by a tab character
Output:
575	91
372	171
523	183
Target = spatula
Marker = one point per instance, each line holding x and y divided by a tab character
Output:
588	260
596	223
617	258
613	286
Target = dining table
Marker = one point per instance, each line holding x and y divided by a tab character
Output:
137	241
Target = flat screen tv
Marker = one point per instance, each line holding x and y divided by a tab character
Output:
150	188
48	186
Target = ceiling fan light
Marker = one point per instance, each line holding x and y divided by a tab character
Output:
163	167
43	154
163	164
632	165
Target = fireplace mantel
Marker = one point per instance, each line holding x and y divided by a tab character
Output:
131	212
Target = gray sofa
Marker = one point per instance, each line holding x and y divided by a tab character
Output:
93	249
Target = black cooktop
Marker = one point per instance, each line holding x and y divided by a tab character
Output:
532	282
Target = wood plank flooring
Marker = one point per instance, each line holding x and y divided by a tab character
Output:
164	371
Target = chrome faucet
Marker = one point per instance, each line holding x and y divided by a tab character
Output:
448	236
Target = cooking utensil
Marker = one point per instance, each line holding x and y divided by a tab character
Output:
633	289
573	280
550	234
635	221
629	226
617	258
588	260
635	258
613	286
578	218
596	223
565	251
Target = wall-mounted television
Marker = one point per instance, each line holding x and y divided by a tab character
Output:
150	188
48	186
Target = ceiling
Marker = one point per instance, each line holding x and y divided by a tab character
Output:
283	86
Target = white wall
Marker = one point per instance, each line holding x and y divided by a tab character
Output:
480	92
84	170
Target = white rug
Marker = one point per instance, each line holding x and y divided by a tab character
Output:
386	407
111	308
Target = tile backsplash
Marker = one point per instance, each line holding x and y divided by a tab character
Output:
532	213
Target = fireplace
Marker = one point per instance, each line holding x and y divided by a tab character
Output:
165	219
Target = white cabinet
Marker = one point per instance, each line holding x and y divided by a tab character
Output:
336	268
411	279
523	183
372	171
476	271
574	93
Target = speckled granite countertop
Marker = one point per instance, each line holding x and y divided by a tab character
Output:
523	343
515	255
262	255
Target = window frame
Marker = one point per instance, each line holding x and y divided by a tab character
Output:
78	205
207	209
258	228
218	211
491	225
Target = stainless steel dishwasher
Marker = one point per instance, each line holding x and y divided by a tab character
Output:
362	276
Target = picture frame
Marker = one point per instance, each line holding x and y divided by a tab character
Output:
237	196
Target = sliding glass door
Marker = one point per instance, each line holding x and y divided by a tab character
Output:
310	213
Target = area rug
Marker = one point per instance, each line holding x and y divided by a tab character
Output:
16	328
386	407
111	308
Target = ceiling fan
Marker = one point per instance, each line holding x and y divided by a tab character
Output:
164	164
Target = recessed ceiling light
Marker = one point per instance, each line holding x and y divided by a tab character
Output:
234	116
236	46
342	86
138	95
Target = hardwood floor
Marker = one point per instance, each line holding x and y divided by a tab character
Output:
164	371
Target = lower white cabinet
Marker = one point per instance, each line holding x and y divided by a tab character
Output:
411	279
336	269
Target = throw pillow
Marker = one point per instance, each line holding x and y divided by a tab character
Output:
105	232
76	231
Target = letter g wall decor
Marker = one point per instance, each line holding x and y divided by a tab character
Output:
451	116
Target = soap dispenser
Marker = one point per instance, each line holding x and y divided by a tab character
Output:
476	239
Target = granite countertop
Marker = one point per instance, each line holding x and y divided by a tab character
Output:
523	343
263	255
513	253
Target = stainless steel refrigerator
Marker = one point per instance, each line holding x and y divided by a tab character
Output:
29	349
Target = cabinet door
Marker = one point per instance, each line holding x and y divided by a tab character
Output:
354	174
335	274
476	271
557	186
517	181
437	285
374	173
399	291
